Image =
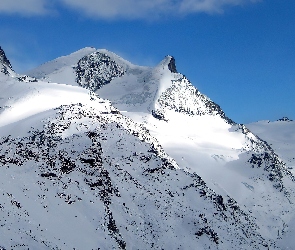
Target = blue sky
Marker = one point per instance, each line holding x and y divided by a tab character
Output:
240	53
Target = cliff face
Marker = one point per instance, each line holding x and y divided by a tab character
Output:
5	65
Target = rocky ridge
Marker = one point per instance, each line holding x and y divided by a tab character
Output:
97	69
5	63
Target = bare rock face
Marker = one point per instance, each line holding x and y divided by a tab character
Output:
172	65
284	119
183	97
5	65
97	69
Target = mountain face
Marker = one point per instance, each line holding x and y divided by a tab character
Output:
280	135
97	69
154	164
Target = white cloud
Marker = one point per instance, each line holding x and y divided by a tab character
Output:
211	6
121	9
149	9
24	7
130	9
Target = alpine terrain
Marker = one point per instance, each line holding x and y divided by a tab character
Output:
99	153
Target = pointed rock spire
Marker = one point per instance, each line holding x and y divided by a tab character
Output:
5	65
172	65
168	62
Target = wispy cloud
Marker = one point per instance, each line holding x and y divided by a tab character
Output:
121	9
149	9
211	6
24	7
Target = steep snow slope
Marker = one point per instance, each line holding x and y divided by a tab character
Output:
76	174
197	134
72	69
60	67
280	135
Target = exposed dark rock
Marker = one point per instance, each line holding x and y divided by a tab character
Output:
172	65
183	97
275	169
210	232
3	59
25	78
158	115
97	69
48	175
285	119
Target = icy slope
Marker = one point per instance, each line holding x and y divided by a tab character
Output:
82	176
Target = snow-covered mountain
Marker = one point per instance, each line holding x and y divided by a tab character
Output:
154	164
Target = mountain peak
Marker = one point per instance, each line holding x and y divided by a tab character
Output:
284	119
5	64
172	65
169	61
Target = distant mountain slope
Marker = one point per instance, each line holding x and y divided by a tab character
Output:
195	132
280	135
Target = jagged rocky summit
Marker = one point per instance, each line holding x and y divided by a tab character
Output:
6	70
285	119
4	63
154	164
